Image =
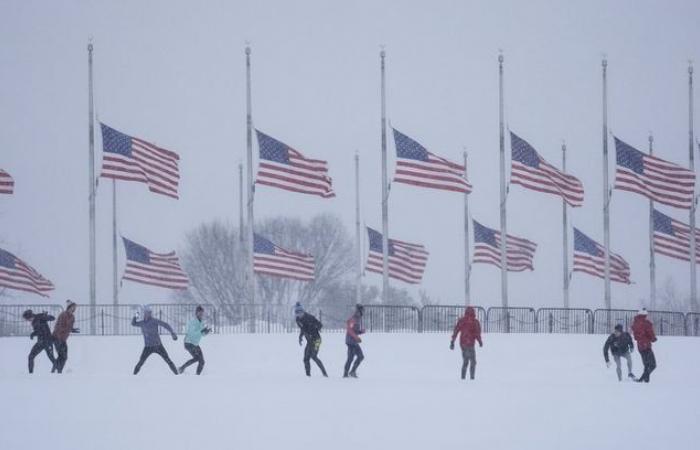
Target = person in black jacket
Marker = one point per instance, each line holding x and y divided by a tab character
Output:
620	344
42	332
309	327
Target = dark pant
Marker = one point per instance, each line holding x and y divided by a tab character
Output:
160	350
62	355
468	361
311	352
354	352
197	357
41	346
649	361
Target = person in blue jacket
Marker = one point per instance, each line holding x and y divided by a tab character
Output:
151	337
195	331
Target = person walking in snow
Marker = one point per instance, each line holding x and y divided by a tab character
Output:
61	331
354	329
42	332
643	331
309	328
469	329
195	331
152	344
620	344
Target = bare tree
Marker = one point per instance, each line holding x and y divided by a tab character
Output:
669	299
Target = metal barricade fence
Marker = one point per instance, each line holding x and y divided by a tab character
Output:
562	320
247	318
667	323
604	320
511	320
692	324
13	324
391	319
110	320
443	318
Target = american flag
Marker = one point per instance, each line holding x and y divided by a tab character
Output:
16	274
487	249
132	159
589	257
654	178
672	238
283	167
529	170
7	184
157	269
271	259
417	166
406	261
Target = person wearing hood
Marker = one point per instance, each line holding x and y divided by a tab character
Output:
151	336
61	331
42	332
195	331
643	331
354	328
309	328
469	329
621	345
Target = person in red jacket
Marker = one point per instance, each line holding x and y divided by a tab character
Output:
469	329
643	331
354	328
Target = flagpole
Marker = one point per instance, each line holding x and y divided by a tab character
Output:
115	281
565	235
691	154
467	262
91	191
652	252
358	246
385	192
504	231
250	187
241	218
606	188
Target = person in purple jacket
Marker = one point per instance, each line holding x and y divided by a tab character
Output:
151	336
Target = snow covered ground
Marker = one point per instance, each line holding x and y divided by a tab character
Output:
532	392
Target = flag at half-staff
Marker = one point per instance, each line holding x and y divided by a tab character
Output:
283	167
652	177
7	184
672	237
487	249
406	261
131	159
531	171
16	274
157	269
417	166
589	257
271	259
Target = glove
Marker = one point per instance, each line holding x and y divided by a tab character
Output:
75	330
300	343
31	337
452	345
607	364
206	331
174	337
481	344
359	340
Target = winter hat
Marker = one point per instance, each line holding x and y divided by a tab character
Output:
619	327
69	303
298	309
643	312
199	308
28	314
360	309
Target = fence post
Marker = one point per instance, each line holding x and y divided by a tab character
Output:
550	323
102	320
420	319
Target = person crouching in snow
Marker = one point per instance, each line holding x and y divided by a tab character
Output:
354	329
620	344
643	331
195	331
309	328
469	329
152	344
42	332
61	331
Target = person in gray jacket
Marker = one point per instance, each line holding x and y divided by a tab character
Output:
152	344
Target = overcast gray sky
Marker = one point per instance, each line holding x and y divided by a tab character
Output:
174	73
